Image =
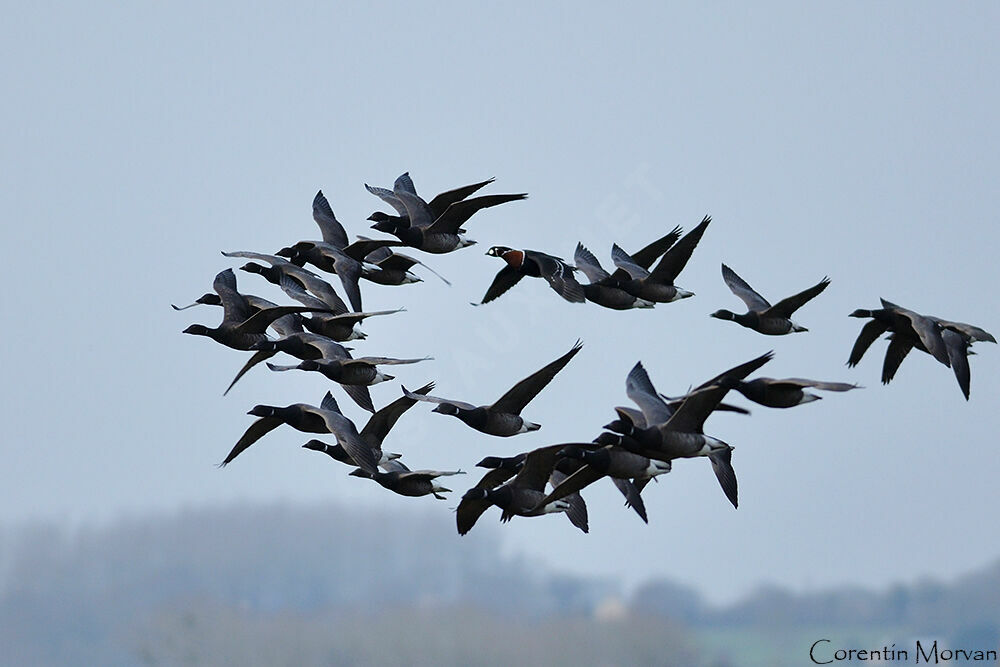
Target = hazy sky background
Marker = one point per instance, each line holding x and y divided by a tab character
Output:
852	140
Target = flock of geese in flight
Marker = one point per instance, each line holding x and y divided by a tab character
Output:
638	445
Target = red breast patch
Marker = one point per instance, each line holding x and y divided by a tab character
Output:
515	258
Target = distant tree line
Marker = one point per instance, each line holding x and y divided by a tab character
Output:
330	585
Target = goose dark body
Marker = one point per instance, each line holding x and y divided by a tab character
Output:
338	453
761	316
488	421
785	393
334	254
308	419
519	496
657	285
602	288
948	342
520	263
283	326
671	434
629	471
291	278
241	327
908	330
435	207
503	417
645	257
359	371
414	483
612	461
394	268
303	345
374	432
428	228
339	372
343	327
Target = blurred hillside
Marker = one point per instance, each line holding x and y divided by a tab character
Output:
274	585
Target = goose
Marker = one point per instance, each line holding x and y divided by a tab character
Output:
958	337
374	433
503	468
520	263
645	257
410	482
345	371
334	254
427	229
502	417
610	460
241	328
657	285
909	330
301	344
602	288
340	327
671	434
436	206
787	392
283	326
309	419
308	346
338	453
519	496
291	277
394	267
761	316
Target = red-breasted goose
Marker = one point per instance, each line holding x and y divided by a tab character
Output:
520	263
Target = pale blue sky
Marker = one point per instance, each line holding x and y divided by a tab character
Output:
854	140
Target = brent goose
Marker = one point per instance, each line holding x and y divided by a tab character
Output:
436	206
658	284
427	229
519	496
301	344
908	329
374	433
241	328
602	288
309	419
785	393
671	434
930	334
608	461
359	371
761	316
408	482
291	277
645	257
502	417
284	326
